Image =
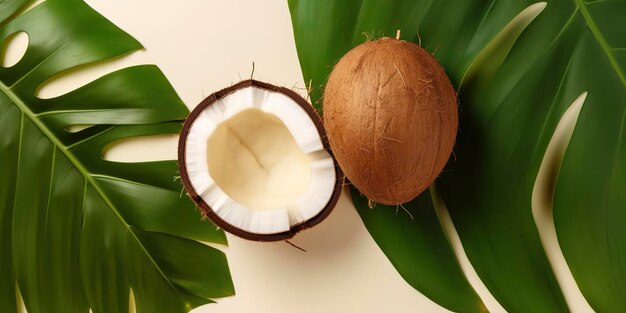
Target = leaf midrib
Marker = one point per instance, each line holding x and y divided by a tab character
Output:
597	34
78	165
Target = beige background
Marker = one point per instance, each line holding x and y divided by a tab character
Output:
205	45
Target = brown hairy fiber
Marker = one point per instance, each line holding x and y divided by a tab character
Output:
391	116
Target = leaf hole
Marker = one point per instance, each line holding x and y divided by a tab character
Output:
76	128
13	49
77	77
142	149
542	203
132	307
457	246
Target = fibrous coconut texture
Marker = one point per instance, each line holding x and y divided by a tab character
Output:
391	116
254	158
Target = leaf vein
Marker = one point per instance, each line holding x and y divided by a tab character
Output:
45	228
39	65
604	44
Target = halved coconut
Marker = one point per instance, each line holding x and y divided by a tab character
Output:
255	159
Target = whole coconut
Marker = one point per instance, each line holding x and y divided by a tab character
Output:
391	116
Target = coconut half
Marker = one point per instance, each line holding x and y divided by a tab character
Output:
255	159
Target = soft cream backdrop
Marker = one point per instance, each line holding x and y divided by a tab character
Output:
205	45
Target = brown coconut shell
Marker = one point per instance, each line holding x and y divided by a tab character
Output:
206	209
391	116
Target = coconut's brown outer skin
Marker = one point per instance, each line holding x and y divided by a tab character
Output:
391	116
206	209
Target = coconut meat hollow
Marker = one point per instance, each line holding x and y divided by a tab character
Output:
256	158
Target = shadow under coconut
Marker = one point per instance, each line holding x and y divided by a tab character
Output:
331	247
331	238
335	234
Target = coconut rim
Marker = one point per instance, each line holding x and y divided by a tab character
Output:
208	211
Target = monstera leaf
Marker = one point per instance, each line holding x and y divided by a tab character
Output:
519	67
76	231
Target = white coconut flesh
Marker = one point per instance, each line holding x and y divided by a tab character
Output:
256	158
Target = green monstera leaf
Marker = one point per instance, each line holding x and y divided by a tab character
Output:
519	67
76	231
